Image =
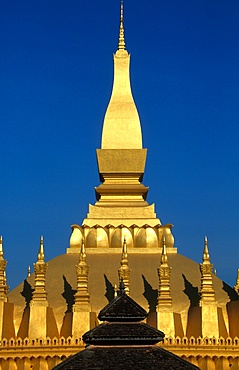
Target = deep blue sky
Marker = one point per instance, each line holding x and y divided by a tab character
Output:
55	80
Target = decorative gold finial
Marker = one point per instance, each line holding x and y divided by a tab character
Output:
207	290
82	251
164	272
40	268
115	290
1	248
82	297
236	287
41	255
121	45
124	270
3	281
164	257
29	271
125	248
206	256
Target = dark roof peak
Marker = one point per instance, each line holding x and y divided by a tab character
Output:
122	308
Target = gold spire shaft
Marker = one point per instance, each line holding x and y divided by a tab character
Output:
124	270
40	268
41	255
164	272
3	281
82	296
206	256
207	290
236	286
121	45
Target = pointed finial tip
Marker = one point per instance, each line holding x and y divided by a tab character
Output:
82	246
41	250
164	245
41	243
115	290
121	44
1	246
121	287
124	246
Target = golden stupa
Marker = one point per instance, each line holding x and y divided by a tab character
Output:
121	238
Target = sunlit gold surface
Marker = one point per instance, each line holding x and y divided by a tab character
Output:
121	198
184	299
38	318
138	237
124	270
121	129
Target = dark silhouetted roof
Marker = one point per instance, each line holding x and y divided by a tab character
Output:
123	333
122	308
123	343
125	358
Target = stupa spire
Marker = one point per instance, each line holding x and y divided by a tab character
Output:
3	281
121	45
206	256
121	128
121	198
208	303
82	297
236	286
40	268
39	304
124	270
1	248
207	291
81	307
164	272
41	255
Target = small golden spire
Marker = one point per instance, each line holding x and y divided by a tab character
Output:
236	287
115	290
82	252
207	291
121	45
125	248
41	255
82	297
1	248
206	256
3	280
164	257
29	271
40	268
124	270
164	273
